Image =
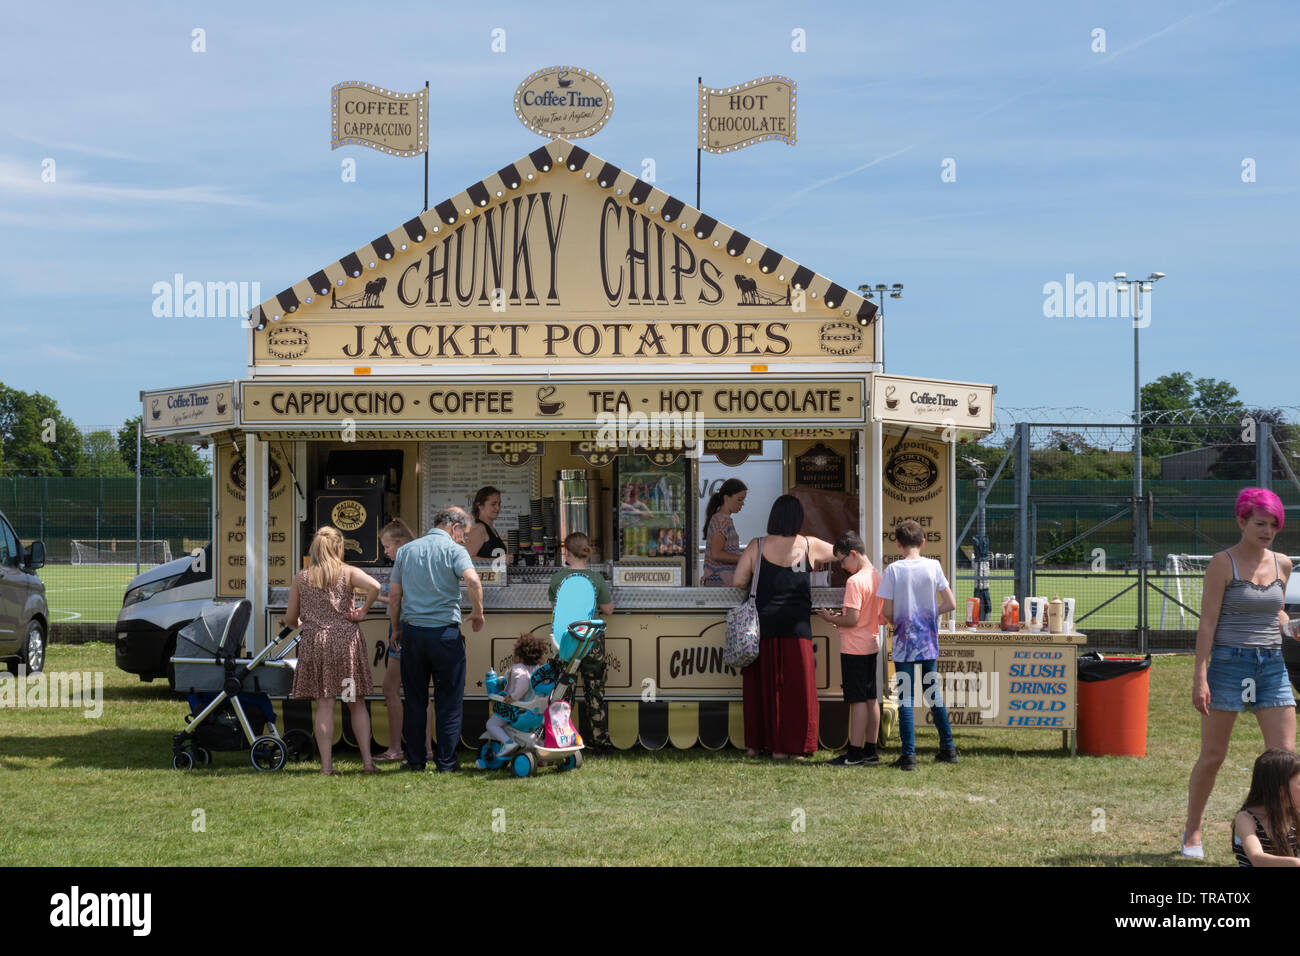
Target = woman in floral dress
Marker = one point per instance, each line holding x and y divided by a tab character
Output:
331	654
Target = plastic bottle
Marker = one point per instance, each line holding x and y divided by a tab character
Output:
1055	615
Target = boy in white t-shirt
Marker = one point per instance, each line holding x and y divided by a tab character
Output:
910	586
858	623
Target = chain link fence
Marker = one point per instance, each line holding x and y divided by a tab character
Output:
89	529
1132	556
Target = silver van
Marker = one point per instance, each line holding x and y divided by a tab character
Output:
24	615
157	604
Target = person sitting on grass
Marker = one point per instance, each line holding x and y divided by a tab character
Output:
909	587
1264	830
529	653
858	623
393	536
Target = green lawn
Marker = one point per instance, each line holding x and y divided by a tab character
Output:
86	592
101	792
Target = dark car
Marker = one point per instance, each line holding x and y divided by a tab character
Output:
24	615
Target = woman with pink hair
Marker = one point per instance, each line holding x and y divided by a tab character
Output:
1239	650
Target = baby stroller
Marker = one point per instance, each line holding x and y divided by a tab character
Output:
539	725
230	706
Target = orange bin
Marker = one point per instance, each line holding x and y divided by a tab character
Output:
1113	695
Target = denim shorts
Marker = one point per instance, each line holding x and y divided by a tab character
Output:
1245	678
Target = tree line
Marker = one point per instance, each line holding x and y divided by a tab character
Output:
1192	407
37	439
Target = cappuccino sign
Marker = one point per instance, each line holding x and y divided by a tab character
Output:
564	101
362	114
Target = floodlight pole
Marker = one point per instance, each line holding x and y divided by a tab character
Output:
1135	288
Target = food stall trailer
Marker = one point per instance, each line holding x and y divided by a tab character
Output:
577	338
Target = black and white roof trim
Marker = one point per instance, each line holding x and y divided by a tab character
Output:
561	157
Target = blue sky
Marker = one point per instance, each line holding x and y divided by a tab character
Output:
217	165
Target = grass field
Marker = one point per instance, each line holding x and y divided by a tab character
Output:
86	592
1092	590
101	792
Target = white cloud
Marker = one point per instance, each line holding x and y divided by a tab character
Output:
23	179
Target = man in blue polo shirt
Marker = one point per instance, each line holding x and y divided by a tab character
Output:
424	609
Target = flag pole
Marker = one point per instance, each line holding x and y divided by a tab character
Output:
426	145
699	80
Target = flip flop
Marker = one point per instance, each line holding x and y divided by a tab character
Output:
388	755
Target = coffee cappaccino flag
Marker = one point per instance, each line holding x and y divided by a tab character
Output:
362	114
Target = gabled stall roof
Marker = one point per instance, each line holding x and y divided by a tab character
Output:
824	296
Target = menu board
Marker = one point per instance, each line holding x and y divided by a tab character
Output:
454	471
231	513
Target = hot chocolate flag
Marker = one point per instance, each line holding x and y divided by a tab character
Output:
738	116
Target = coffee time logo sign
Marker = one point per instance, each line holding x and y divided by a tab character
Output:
962	406
179	410
566	269
564	101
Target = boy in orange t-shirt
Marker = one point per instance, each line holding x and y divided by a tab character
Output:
858	623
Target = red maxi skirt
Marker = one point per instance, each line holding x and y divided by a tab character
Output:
780	691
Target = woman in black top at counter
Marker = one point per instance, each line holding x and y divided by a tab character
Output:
780	688
483	542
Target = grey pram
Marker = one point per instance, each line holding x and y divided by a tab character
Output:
230	705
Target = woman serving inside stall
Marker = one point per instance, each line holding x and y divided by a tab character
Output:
722	551
483	543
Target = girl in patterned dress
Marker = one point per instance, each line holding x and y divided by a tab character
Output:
1264	831
722	543
331	654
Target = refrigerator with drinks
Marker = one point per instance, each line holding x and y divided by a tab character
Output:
652	512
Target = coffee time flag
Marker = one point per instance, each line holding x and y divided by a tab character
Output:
738	116
362	114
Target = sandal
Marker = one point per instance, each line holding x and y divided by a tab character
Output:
390	755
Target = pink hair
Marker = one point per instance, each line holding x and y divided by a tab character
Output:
1262	500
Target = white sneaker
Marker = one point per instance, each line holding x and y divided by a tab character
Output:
1192	852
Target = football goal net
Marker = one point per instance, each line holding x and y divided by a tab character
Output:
1183	577
119	551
